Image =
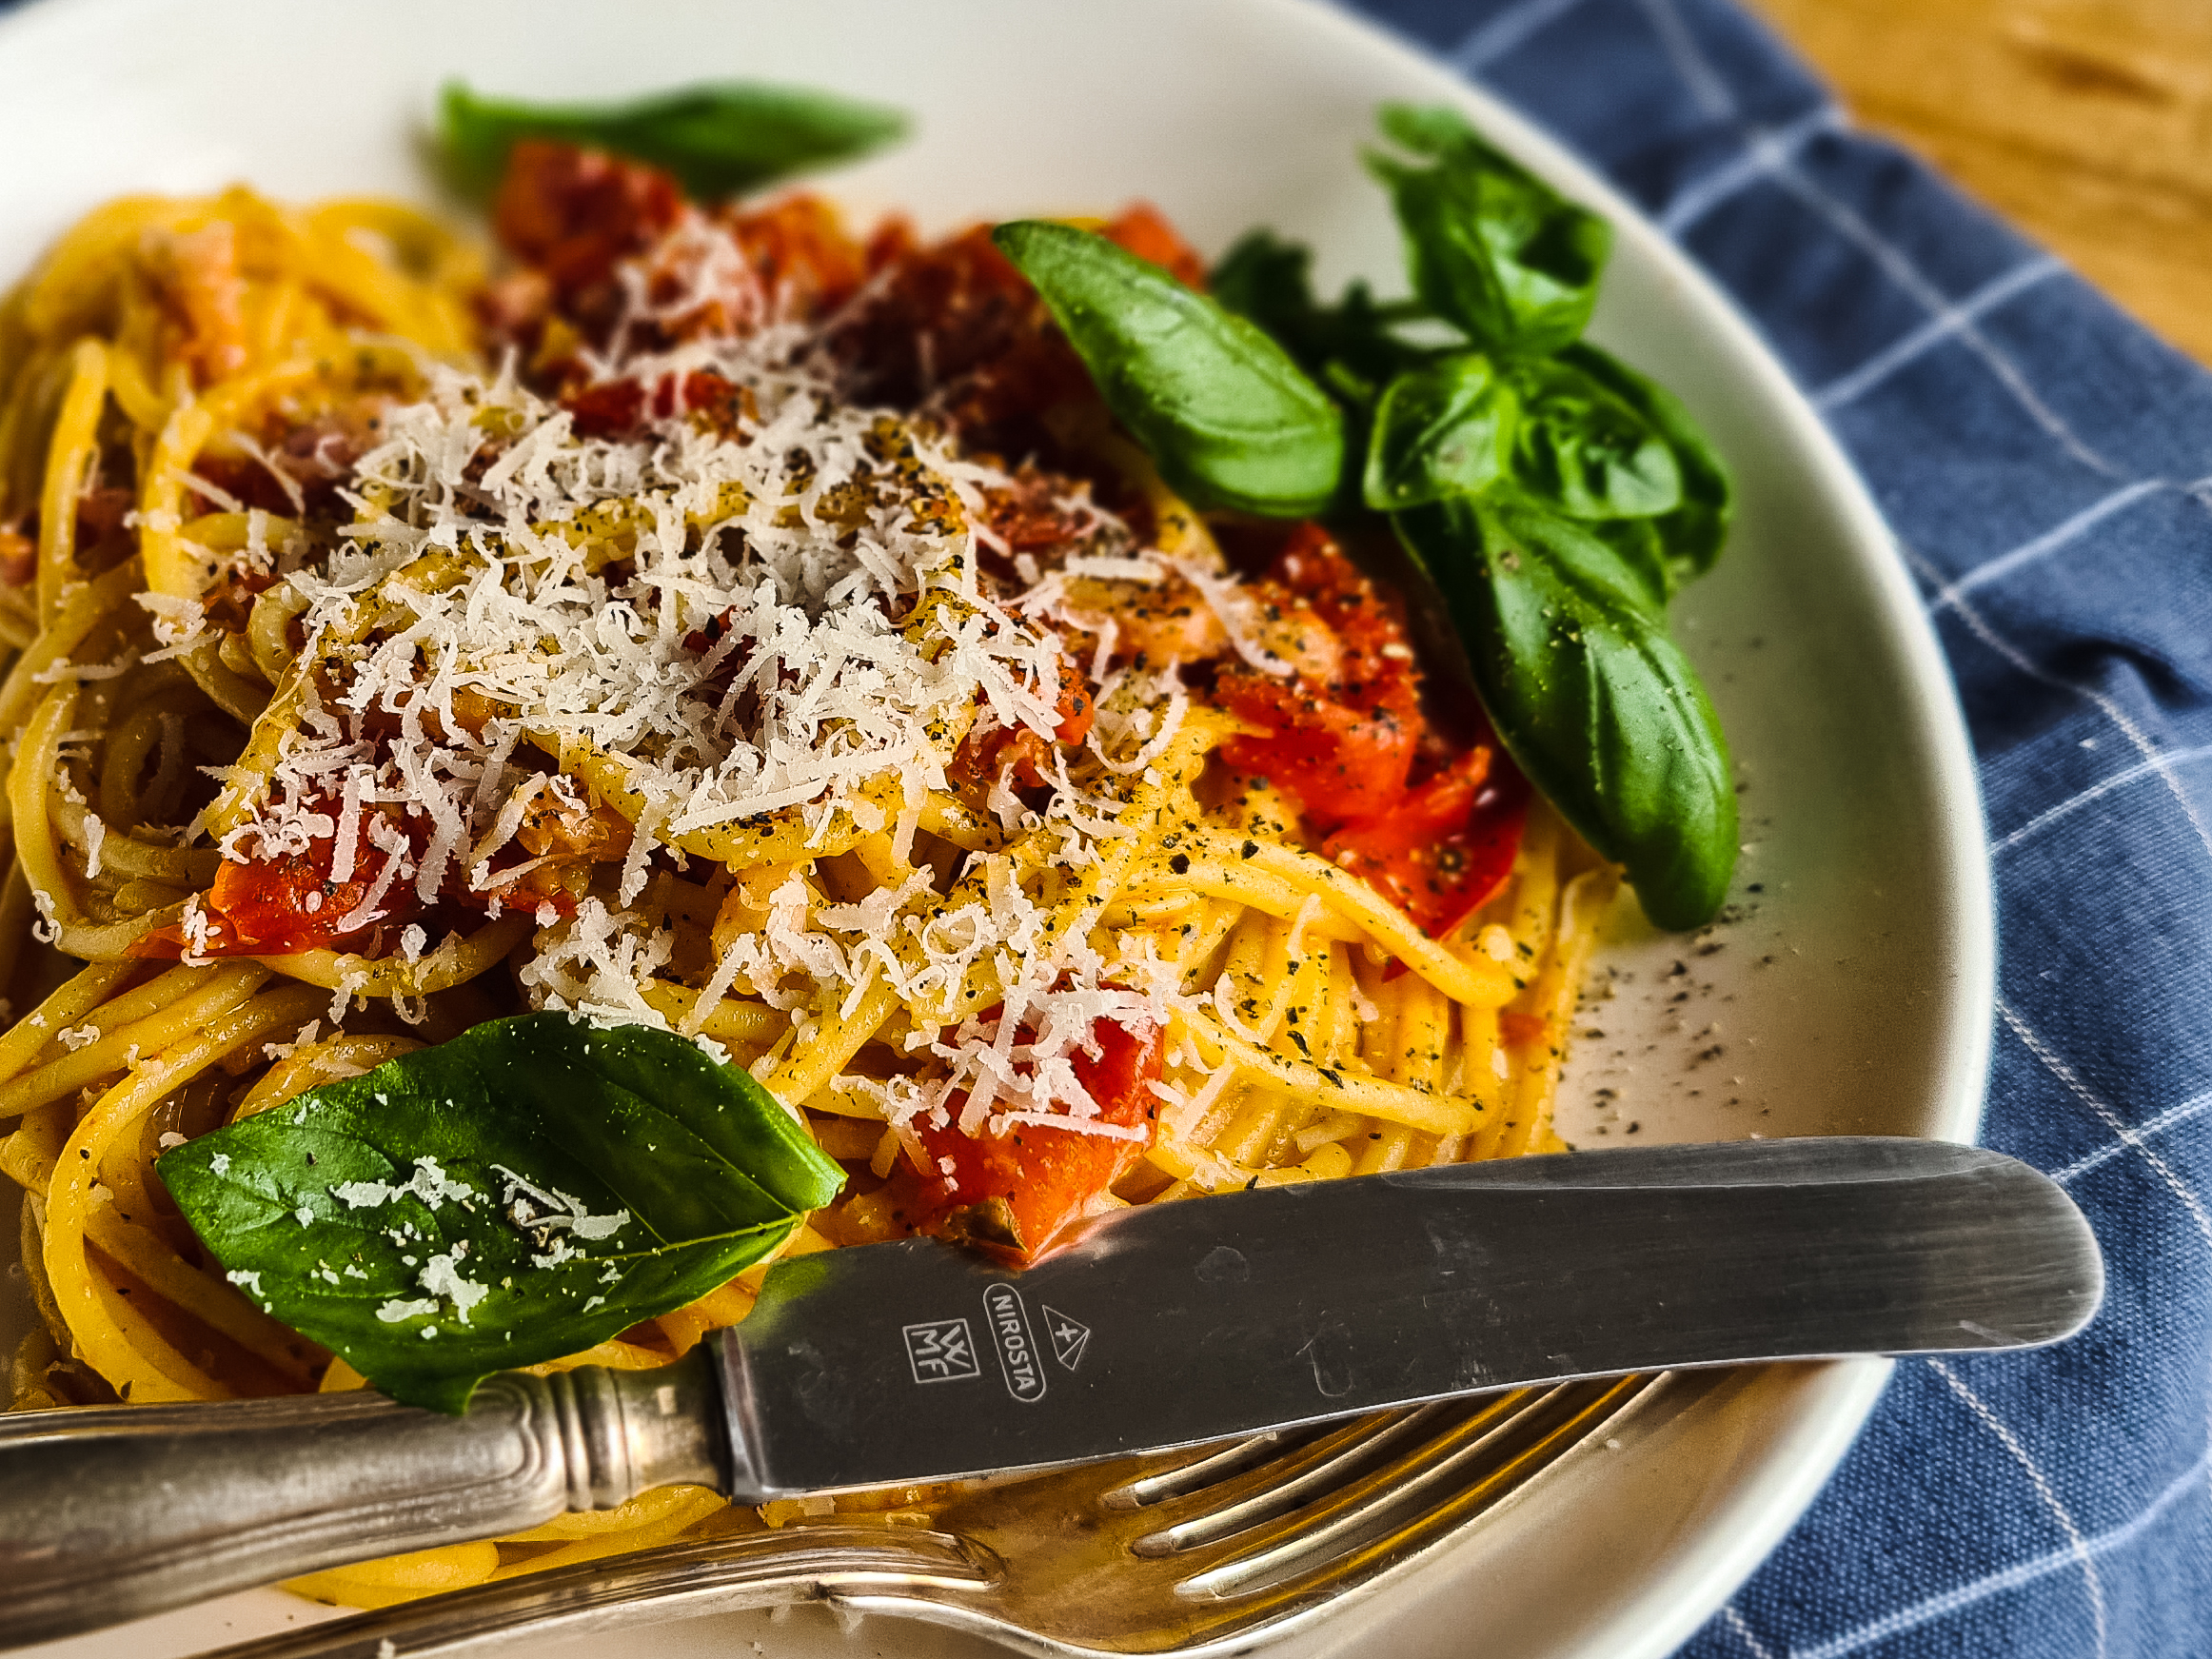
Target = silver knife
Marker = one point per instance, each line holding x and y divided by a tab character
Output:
1155	1327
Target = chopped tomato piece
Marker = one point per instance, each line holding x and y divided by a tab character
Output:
575	214
1446	848
1076	707
1144	231
276	906
196	278
1344	747
613	408
1036	512
616	408
1020	753
892	240
311	453
1018	1190
800	249
1519	1030
956	326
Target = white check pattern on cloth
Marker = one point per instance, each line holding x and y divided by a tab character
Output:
2045	464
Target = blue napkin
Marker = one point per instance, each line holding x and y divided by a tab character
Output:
2045	464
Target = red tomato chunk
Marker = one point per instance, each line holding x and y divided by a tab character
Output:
1018	1190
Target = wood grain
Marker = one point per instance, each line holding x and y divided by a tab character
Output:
2088	123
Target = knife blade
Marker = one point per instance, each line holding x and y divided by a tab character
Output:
1152	1327
1155	1328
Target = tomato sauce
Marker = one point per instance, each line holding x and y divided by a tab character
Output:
1355	750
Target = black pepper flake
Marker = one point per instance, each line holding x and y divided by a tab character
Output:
1180	864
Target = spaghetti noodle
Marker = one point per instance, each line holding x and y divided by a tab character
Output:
660	633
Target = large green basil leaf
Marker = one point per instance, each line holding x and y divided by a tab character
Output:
1446	429
1585	452
521	1192
1694	533
718	140
1228	417
1596	705
1491	247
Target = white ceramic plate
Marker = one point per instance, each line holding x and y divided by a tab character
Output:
1848	992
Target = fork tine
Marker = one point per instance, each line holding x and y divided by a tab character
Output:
1077	1585
1296	1486
1465	1468
1215	1467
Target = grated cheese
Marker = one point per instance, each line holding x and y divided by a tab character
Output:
776	610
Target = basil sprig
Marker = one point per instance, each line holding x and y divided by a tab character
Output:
521	1192
1228	417
1491	247
1351	348
1557	497
1445	428
1692	533
720	139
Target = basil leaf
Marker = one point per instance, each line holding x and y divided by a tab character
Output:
720	139
1598	708
1350	346
1446	429
1228	417
519	1194
1269	280
1583	452
1637	543
1695	531
1489	246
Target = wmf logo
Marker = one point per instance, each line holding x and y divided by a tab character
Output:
942	1351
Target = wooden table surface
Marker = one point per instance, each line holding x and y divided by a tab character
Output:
2087	123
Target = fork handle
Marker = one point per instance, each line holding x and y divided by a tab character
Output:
111	1512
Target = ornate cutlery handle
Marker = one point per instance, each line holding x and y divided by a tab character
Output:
111	1512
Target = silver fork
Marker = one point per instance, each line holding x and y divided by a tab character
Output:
1197	1550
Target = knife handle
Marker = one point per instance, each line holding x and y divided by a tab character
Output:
111	1513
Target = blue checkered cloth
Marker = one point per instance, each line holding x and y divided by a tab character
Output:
2043	463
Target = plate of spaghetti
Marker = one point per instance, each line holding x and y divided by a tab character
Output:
1024	657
